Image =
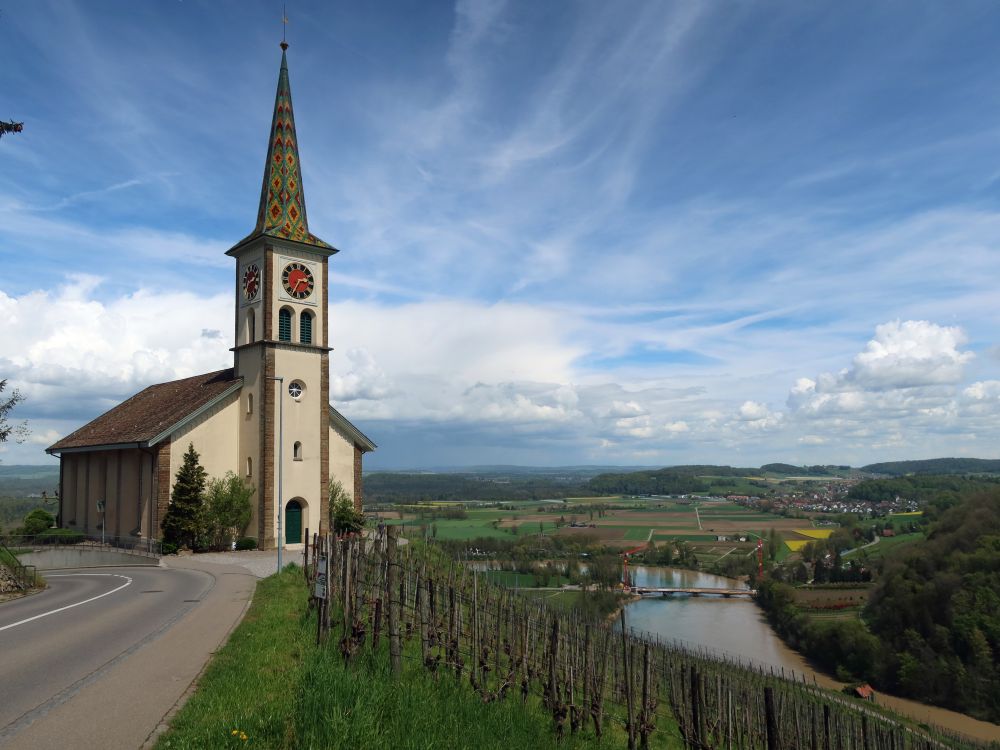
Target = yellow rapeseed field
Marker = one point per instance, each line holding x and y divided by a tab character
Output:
815	533
796	544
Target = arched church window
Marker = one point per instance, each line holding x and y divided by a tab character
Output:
284	324
297	451
251	327
249	466
249	404
306	328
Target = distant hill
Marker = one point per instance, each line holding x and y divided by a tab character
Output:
804	471
710	470
662	482
21	481
45	471
556	473
936	466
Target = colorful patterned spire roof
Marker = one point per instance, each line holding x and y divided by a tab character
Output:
282	210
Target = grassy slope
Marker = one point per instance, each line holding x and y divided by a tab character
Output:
271	683
885	546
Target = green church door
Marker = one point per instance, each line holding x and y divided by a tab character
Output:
293	522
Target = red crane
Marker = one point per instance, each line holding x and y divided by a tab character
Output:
760	558
626	579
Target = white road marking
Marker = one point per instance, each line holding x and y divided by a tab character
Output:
128	582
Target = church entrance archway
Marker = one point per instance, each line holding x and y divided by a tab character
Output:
293	522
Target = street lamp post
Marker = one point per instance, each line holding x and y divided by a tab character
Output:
281	450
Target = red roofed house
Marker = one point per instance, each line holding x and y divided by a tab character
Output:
128	456
865	692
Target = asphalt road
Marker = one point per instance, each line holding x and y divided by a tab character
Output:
57	643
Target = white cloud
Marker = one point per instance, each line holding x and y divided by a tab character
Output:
71	353
910	354
907	367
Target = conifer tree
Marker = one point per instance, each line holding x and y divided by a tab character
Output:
182	523
344	517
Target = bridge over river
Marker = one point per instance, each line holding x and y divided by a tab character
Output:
650	591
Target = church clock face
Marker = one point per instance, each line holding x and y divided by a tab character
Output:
251	281
297	280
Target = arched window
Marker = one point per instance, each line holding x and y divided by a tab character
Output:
284	324
249	404
249	466
251	327
297	451
306	328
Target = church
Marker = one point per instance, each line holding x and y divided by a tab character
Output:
266	416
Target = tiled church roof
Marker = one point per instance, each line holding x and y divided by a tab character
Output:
151	412
282	211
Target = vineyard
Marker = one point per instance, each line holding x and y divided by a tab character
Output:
589	676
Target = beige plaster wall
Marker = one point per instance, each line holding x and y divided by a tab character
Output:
342	459
212	434
250	368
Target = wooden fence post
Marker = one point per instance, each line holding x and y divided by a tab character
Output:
628	683
392	583
771	720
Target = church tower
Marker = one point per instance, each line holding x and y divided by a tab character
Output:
281	350
269	415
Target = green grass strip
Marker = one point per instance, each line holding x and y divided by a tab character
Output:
251	685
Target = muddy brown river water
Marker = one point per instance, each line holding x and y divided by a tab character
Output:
736	628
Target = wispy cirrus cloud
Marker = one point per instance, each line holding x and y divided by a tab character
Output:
568	233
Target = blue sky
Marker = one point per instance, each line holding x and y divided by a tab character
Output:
571	233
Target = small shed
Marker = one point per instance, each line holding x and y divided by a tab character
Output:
865	692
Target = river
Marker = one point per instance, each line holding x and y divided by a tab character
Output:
736	628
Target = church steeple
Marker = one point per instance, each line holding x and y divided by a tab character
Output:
282	211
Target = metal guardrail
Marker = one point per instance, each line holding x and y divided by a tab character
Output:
25	576
47	540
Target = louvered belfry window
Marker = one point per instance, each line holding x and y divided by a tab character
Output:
306	328
284	324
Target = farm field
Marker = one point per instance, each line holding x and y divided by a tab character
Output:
627	523
898	521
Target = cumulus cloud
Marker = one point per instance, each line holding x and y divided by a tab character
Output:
756	416
903	392
909	354
908	366
74	355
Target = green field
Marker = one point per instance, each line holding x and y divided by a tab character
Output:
638	533
662	537
885	546
477	525
627	522
512	579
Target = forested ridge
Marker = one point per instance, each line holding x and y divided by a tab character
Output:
931	630
386	488
936	466
935	490
937	612
662	482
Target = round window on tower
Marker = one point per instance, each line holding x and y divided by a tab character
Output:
296	389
